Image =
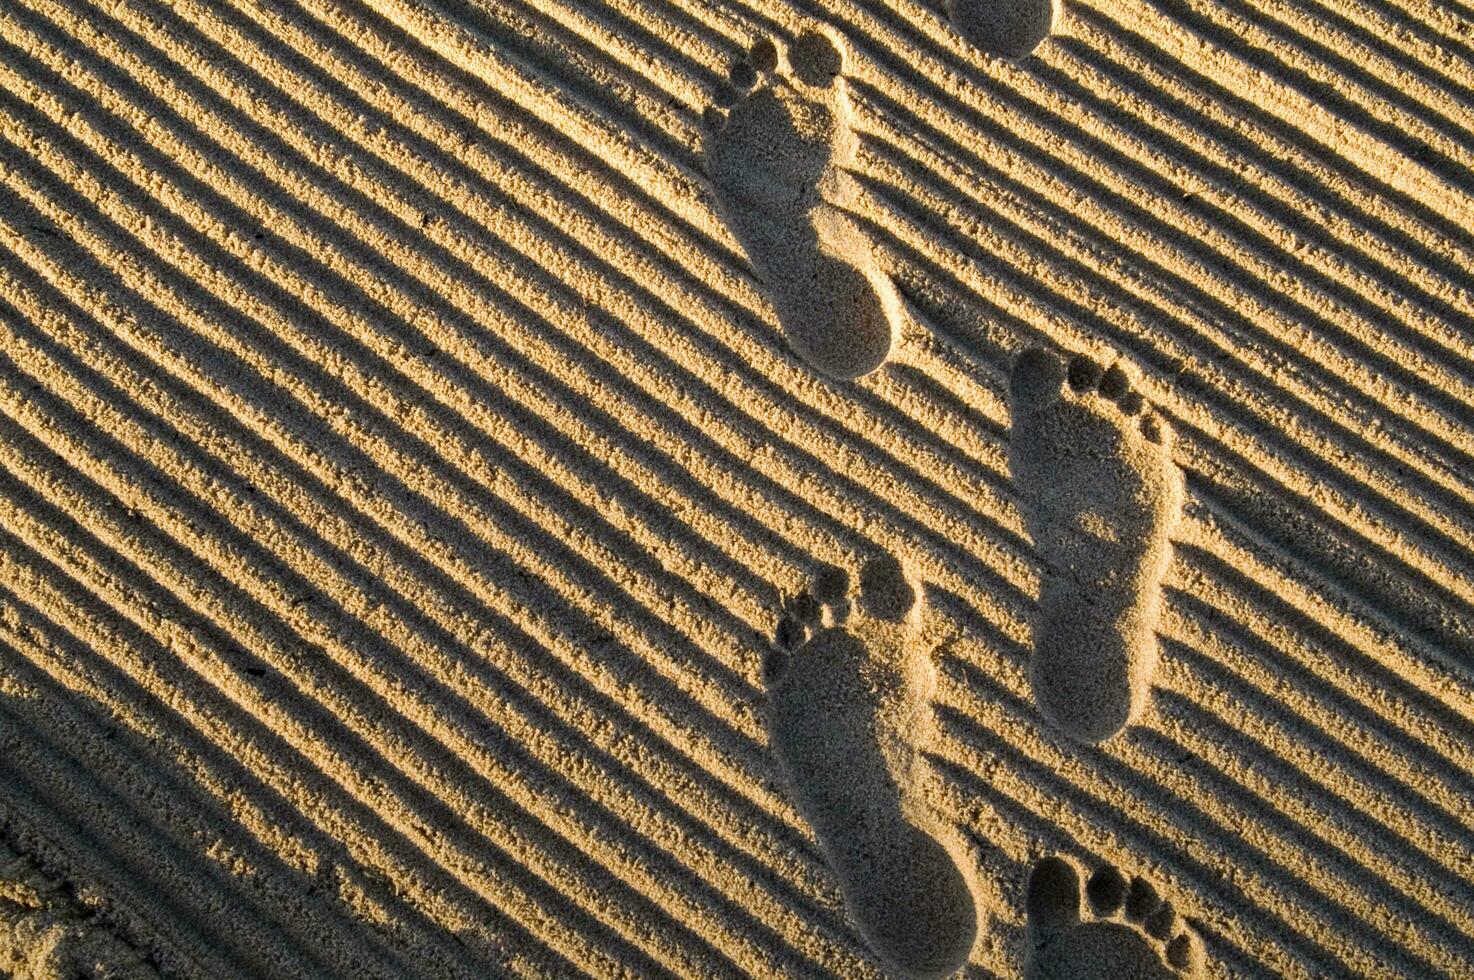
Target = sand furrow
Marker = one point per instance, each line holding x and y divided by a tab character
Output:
1277	845
745	442
393	794
1396	102
216	742
1443	477
317	625
1107	806
158	858
1200	277
334	584
165	633
1402	758
289	933
236	295
1086	158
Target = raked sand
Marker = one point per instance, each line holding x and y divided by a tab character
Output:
706	488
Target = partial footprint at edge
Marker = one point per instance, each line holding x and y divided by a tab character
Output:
1008	28
777	160
849	692
1125	932
1101	496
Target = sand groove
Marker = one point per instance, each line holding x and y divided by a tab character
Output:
404	460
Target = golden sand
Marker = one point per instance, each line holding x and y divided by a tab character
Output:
706	488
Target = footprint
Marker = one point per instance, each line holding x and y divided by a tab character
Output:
1093	464
777	160
1127	932
1008	28
849	691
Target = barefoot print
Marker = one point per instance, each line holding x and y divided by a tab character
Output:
1093	464
777	162
849	685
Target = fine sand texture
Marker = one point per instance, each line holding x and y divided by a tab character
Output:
714	488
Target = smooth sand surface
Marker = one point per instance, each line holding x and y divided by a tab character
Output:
706	488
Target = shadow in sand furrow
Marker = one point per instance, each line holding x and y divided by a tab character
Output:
219	737
922	87
637	343
51	933
583	68
1409	213
728	363
1104	809
1201	825
1386	838
1328	55
1225	318
425	575
327	609
1372	912
331	704
982	566
1341	652
276	899
59	798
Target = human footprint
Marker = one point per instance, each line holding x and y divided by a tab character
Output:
1126	932
1101	496
777	161
849	692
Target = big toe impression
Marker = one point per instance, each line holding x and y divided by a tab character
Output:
1053	902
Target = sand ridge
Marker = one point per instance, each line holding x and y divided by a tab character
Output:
404	464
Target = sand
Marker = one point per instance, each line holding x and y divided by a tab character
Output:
705	488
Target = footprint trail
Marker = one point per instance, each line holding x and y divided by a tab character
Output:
1127	932
1093	465
849	691
777	162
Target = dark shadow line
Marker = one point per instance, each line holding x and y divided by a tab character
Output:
428	753
179	787
497	684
